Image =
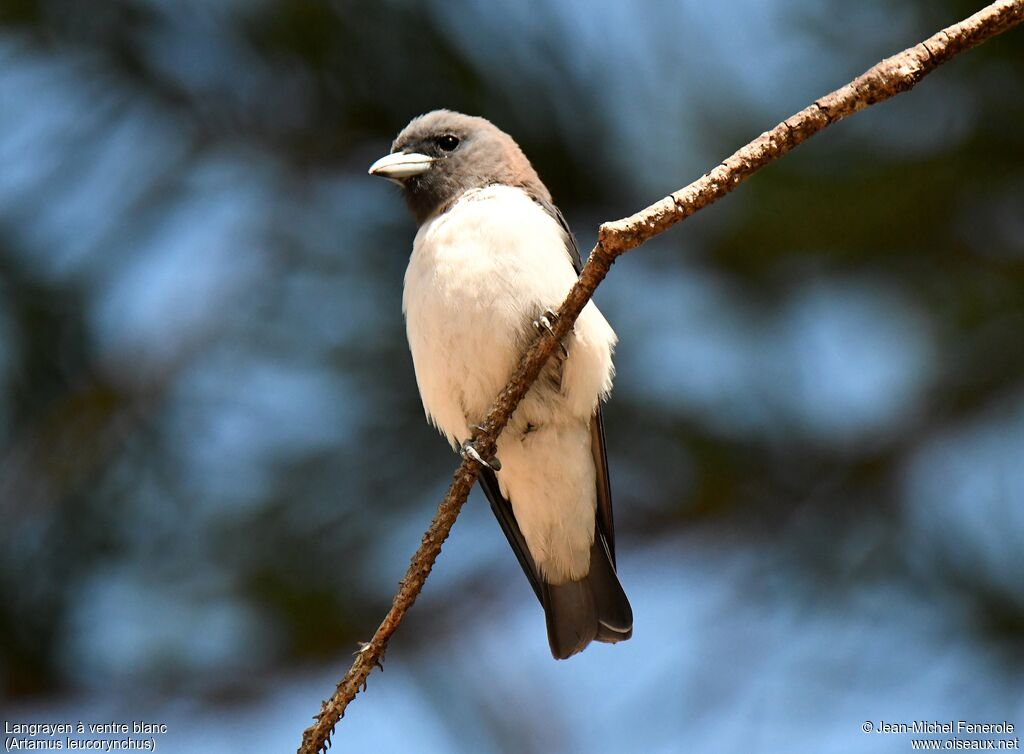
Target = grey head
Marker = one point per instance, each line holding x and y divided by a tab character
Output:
441	155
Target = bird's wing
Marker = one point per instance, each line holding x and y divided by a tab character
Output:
570	240
502	508
605	520
503	512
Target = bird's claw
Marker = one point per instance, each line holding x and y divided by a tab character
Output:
546	321
468	451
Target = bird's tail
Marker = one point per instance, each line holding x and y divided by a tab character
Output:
593	608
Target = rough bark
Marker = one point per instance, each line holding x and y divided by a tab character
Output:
886	79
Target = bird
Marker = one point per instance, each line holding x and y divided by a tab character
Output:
492	259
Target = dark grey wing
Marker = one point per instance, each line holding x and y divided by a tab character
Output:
502	509
570	246
605	521
595	607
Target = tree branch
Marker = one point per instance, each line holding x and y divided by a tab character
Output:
888	78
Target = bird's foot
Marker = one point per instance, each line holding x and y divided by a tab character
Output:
468	451
546	321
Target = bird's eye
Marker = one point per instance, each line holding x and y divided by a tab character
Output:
448	142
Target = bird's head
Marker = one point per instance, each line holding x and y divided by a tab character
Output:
441	155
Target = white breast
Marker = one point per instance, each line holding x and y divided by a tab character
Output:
478	275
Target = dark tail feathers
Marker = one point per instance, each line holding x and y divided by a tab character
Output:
595	607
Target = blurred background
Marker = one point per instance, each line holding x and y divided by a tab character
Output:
213	459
